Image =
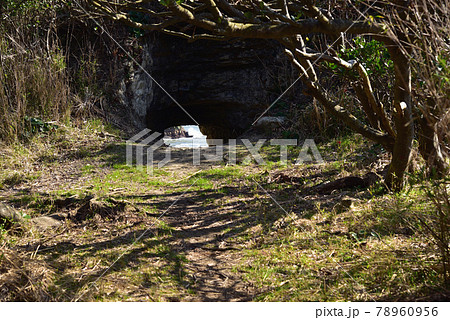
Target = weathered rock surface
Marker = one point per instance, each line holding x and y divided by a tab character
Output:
10	216
176	132
270	123
47	222
224	86
142	86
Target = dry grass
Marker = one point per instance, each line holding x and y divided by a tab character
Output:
436	223
23	278
34	84
224	239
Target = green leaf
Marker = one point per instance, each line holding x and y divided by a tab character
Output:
26	216
164	2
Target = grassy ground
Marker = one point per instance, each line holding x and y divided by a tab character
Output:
207	233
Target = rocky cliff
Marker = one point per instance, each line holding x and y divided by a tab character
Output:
176	132
223	86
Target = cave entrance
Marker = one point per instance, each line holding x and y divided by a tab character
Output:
185	136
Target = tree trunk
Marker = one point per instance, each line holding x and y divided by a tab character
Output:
430	149
403	120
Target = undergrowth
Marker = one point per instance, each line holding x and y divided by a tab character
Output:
33	73
358	245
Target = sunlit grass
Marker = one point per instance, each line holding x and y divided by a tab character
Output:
313	249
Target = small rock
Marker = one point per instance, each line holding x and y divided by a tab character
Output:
10	216
270	122
47	222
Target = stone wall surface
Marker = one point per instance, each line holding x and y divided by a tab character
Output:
222	86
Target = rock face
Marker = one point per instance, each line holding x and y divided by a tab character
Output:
142	85
176	132
270	123
223	86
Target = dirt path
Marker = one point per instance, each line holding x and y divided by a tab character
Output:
202	233
202	221
198	222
